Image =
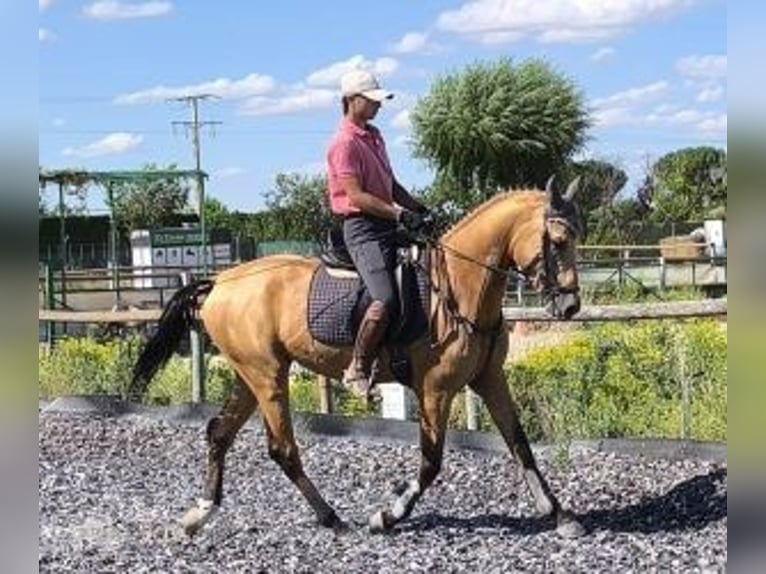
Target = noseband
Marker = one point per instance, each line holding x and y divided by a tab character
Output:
551	288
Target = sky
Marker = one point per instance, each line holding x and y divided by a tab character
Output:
653	74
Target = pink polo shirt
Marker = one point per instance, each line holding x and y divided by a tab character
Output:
359	152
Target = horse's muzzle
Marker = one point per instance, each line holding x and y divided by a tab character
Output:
564	305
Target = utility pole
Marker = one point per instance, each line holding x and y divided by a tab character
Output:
194	127
196	340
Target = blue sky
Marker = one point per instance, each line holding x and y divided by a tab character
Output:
653	72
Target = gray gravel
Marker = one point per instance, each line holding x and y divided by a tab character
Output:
112	490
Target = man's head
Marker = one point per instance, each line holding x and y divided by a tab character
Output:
362	94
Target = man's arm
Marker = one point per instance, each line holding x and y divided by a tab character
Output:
367	202
403	198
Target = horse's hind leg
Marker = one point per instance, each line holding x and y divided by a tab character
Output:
492	387
274	401
221	431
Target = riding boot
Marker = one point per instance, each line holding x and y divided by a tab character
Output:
358	375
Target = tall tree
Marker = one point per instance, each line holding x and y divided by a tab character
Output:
689	184
217	215
145	204
298	207
500	125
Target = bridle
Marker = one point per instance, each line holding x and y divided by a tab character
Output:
548	259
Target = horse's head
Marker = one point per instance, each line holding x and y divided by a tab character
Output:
549	255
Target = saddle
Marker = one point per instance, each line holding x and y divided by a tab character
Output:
338	300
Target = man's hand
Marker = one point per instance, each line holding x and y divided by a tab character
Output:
412	221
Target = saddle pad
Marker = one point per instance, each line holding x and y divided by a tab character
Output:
336	306
332	301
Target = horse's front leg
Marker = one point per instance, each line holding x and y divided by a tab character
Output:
492	387
434	413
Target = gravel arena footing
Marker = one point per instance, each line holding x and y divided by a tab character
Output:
113	485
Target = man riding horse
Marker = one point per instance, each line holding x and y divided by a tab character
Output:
365	194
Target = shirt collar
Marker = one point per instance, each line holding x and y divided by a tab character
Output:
348	126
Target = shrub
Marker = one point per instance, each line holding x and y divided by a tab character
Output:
625	380
84	366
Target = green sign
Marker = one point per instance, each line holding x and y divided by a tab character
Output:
177	237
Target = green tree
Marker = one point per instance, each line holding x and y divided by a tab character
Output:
500	125
689	184
600	182
217	215
298	208
150	203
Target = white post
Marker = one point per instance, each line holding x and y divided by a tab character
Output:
398	402
471	410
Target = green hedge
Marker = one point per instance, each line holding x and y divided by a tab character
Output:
626	380
613	380
86	366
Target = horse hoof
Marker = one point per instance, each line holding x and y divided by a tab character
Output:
196	517
570	527
332	521
378	523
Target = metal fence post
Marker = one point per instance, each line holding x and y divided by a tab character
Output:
325	395
683	375
50	303
197	357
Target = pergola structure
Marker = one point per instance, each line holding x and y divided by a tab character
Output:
108	179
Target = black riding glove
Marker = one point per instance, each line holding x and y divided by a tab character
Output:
412	221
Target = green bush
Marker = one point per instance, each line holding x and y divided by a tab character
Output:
85	366
626	380
79	366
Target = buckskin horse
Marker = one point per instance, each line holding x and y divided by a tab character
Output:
256	315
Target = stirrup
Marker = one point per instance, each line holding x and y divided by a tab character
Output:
359	382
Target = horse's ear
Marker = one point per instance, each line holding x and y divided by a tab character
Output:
572	189
549	184
554	197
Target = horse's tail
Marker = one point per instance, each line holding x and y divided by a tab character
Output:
176	320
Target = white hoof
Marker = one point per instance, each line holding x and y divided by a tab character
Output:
570	528
196	517
377	524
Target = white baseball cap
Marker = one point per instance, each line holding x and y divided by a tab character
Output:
363	82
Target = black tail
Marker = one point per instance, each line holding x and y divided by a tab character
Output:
174	324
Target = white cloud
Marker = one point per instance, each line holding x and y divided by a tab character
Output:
613	116
503	21
411	42
633	96
116	143
602	54
227	172
402	121
710	94
714	125
329	76
110	10
703	67
249	86
45	4
44	35
300	100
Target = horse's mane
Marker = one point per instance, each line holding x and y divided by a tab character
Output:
519	194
